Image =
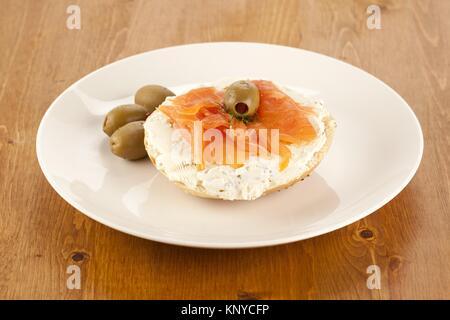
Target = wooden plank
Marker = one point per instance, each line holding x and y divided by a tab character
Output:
40	234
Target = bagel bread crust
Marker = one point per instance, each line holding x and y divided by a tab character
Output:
329	125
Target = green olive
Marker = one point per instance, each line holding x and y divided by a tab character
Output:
151	96
128	141
242	98
121	115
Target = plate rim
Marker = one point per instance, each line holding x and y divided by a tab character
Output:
227	245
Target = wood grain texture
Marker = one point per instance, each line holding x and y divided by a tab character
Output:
40	234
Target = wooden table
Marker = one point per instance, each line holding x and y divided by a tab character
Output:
41	235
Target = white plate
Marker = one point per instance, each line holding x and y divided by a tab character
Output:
377	149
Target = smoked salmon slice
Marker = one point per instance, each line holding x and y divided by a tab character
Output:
276	110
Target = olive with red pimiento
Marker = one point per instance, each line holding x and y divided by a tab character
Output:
241	98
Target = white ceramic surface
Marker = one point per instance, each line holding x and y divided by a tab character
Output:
376	151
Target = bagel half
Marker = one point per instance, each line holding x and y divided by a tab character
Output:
256	178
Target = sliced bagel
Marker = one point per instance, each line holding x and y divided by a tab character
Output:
171	155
